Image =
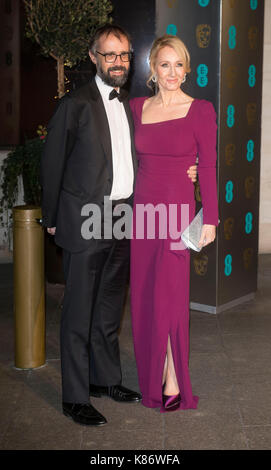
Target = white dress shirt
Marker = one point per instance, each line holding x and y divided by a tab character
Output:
123	172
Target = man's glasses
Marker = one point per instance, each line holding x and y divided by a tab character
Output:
111	58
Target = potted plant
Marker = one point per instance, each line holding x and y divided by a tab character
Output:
21	162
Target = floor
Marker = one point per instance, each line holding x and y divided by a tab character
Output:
230	357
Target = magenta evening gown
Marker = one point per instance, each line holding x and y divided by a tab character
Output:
159	274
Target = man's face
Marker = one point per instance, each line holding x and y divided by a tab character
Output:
114	74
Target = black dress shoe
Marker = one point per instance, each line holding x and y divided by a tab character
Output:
116	392
83	413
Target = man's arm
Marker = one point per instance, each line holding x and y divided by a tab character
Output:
57	146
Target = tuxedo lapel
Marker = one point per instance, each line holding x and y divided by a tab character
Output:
102	124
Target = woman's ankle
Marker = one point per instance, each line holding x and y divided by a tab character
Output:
170	389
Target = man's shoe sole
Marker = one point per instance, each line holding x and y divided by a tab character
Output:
100	395
66	413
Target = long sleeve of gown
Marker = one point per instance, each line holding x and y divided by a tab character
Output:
206	132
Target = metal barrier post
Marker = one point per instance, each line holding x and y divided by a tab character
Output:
29	287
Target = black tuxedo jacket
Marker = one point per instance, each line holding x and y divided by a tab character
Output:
76	165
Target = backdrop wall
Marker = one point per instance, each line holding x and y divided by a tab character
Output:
225	39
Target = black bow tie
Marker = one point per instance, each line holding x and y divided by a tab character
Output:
114	94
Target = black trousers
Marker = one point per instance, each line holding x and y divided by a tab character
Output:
96	281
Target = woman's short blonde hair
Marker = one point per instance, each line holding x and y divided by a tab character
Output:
170	41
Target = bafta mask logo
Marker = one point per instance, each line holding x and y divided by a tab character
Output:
253	37
171	3
203	34
230	154
228	228
8	133
10	84
251	113
249	186
8	33
7	84
200	264
247	257
232	3
197	192
231	76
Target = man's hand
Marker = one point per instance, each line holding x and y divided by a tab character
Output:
207	235
192	173
51	230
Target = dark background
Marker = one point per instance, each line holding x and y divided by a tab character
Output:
36	77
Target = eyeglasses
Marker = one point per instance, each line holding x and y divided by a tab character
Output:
111	58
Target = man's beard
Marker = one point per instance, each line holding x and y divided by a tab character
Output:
114	81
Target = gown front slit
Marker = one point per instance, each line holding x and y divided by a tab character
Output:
160	263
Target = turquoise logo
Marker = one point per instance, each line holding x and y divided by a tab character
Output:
250	150
202	78
228	265
230	115
251	75
172	29
253	4
229	191
232	37
248	224
203	3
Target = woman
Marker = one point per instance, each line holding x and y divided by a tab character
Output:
171	129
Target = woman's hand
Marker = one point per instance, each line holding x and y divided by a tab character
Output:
208	233
192	173
51	230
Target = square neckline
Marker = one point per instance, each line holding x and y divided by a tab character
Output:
160	122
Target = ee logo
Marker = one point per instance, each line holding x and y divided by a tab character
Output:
229	191
248	224
230	115
228	265
251	75
250	150
202	78
203	3
253	4
172	29
232	37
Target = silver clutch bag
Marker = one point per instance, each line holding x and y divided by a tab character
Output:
191	235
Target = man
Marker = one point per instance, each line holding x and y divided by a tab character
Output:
89	153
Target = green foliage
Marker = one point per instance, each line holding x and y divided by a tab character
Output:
10	170
31	170
23	161
63	28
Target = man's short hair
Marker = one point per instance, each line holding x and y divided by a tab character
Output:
107	29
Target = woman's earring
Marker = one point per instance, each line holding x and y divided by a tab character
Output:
154	78
184	78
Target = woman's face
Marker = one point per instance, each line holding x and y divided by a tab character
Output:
169	69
